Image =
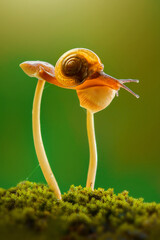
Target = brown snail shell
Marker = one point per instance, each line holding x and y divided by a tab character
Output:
75	66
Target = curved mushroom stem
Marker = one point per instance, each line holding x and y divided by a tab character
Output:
93	150
40	151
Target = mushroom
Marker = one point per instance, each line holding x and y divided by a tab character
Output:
33	69
81	69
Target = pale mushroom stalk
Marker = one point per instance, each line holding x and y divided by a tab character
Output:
38	143
33	69
93	150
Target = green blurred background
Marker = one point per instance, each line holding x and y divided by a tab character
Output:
125	35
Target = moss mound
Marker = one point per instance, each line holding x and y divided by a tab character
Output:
31	211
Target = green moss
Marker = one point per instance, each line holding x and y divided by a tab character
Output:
31	211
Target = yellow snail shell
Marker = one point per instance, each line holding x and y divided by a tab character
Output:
75	66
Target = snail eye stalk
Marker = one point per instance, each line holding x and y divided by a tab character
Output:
121	81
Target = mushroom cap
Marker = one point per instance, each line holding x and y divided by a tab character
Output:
33	68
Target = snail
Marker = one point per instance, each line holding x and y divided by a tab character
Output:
80	69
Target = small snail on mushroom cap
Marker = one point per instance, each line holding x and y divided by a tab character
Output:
81	69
